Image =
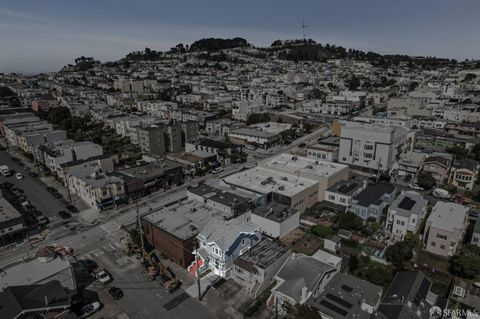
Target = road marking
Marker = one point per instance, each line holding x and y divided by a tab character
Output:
113	247
117	244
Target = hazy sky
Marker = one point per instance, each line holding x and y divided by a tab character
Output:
44	35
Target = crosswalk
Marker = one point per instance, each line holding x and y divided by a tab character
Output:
109	248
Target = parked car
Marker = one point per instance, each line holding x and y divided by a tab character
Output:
72	208
51	189
301	145
217	170
64	215
116	293
89	309
103	277
33	174
42	220
250	147
90	265
415	187
57	195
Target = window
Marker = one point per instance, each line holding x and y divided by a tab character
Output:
442	246
433	244
368	147
331	197
444	237
343	200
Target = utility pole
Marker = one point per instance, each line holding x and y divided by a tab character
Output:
140	229
68	187
36	159
303	29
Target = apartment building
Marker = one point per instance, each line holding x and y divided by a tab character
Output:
373	146
445	228
98	190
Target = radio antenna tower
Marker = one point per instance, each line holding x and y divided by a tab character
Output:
303	29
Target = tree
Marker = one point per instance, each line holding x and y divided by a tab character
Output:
426	180
306	312
466	264
350	221
378	274
459	152
399	253
353	83
476	151
321	231
255	118
58	114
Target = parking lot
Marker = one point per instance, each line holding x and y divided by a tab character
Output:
142	297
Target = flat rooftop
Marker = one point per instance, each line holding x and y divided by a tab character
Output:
448	216
32	272
185	219
295	165
265	181
7	211
262	255
151	170
275	211
217	195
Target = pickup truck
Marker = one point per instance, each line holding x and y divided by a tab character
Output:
102	276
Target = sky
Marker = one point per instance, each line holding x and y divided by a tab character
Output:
44	35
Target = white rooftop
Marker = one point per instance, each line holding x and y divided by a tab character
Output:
448	216
304	166
265	181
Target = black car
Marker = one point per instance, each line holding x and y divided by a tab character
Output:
302	145
63	214
89	264
57	194
7	185
33	174
115	292
51	189
72	208
20	164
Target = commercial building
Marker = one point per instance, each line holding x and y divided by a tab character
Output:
98	190
445	228
253	136
172	230
405	215
276	220
11	222
255	270
373	146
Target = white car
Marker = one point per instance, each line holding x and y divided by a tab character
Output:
217	170
250	147
415	187
103	277
89	309
19	176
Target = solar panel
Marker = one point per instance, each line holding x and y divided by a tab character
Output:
347	288
334	308
339	300
344	189
424	288
407	203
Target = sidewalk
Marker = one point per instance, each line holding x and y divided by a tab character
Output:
205	282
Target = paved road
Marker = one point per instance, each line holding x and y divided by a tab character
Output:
34	188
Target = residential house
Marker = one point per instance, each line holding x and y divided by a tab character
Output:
299	279
346	296
339	196
445	228
409	296
464	173
439	165
405	215
372	201
255	270
221	242
476	233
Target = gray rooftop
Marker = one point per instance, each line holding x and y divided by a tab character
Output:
218	195
447	216
185	219
408	203
275	211
262	255
344	295
301	271
93	177
7	211
253	132
348	187
373	193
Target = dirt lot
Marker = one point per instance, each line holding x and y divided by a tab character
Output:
302	241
